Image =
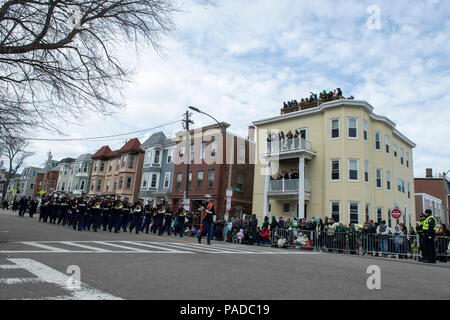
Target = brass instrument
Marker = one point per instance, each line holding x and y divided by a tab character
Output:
163	210
97	205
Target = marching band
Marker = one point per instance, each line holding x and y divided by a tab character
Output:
112	214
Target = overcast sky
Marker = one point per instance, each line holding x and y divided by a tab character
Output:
239	60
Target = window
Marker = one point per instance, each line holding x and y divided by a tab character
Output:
286	208
167	180
107	185
353	128
399	185
354	212
115	184
120	182
387	144
403	186
402	156
189	180
169	155
335	208
407	159
154	182
213	147
240	182
192	152
335	170
144	180
353	170
148	156
99	185
95	166
124	159
335	133
379	178
131	162
157	156
367	212
85	167
379	215
366	171
377	141
92	185
270	208
366	130
303	133
181	153
211	174
202	150
102	166
409	191
82	185
179	179
128	183
110	166
199	179
118	164
388	180
62	187
395	150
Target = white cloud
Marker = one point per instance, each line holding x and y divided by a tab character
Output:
240	60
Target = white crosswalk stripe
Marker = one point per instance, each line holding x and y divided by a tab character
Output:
143	247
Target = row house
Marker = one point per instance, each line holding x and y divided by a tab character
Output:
74	175
118	172
47	178
158	168
348	162
208	162
433	192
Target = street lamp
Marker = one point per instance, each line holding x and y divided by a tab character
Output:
224	132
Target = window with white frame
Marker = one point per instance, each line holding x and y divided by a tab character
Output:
202	150
128	186
402	156
409	191
213	147
353	208
335	208
366	130
378	141
367	212
286	207
395	150
169	155
388	180
352	128
157	156
387	145
199	179
353	167
335	129
154	181
335	170
124	160
166	180
148	156
366	171
241	153
407	159
192	152
379	173
144	180
179	179
379	215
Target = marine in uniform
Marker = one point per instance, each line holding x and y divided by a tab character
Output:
206	222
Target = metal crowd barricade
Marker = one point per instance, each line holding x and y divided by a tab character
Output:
281	238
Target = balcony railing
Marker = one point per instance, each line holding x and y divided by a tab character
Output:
309	105
287	185
287	145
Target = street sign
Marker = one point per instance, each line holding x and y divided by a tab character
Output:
14	191
228	208
396	214
41	192
229	193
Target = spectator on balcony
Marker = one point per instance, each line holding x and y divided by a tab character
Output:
281	140
339	92
289	137
285	105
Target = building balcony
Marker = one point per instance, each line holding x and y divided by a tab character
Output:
309	105
289	149
287	189
82	175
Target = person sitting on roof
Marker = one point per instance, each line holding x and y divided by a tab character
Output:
339	92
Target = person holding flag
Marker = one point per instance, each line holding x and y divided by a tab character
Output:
206	222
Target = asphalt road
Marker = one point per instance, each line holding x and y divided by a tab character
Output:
35	257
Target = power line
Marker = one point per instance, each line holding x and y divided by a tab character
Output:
103	137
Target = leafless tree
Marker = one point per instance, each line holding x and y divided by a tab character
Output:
58	58
13	150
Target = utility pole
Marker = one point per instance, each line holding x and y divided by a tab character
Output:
186	121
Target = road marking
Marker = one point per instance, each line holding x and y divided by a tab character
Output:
44	246
76	244
121	246
9	266
20	280
199	248
52	276
145	244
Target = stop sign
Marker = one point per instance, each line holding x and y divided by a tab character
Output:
396	214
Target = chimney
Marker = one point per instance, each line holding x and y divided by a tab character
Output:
251	133
429	173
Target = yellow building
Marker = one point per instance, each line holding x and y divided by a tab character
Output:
353	165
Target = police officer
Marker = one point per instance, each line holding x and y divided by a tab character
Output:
429	233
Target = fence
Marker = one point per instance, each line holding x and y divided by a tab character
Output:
358	243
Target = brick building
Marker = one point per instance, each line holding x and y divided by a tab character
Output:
217	162
118	172
437	187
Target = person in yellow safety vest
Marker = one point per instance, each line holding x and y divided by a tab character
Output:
419	229
429	231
